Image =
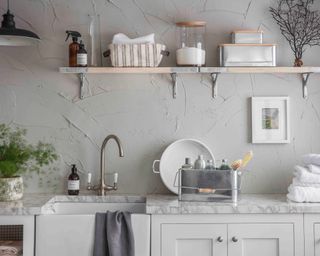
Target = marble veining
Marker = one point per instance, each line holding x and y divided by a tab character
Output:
248	204
30	204
36	204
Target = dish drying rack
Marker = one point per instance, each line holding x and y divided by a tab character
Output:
208	185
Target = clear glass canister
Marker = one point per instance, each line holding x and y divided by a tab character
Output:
191	43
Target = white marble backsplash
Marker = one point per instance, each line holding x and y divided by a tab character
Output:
139	108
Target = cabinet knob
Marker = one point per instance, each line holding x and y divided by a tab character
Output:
220	239
234	239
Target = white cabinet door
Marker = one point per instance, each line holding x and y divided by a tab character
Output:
312	234
28	231
64	235
73	235
194	239
316	239
261	239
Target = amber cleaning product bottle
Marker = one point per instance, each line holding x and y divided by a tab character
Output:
73	182
73	47
82	56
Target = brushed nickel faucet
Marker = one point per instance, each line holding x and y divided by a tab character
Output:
104	187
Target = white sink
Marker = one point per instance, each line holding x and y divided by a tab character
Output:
91	208
67	224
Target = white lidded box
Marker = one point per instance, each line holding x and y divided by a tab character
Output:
247	37
247	55
136	55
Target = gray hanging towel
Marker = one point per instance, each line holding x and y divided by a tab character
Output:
113	234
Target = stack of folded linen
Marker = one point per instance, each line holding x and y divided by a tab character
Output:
305	185
10	248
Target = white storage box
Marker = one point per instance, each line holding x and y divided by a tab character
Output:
247	55
136	55
247	37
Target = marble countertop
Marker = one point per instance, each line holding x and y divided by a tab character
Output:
36	204
248	203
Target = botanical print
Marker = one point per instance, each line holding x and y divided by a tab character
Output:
270	118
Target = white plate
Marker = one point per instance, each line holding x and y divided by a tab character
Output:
174	157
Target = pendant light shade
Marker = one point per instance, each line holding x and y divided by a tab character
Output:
12	36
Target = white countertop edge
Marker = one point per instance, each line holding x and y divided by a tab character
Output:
37	204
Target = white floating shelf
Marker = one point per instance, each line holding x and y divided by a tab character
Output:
213	71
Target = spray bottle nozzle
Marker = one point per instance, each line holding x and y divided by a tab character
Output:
74	34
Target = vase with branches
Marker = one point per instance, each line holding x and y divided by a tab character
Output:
299	24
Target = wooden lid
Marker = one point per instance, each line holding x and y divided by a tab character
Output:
191	24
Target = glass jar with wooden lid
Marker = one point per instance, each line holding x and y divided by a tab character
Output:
191	43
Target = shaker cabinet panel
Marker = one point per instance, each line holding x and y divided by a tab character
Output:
19	229
261	239
312	234
73	235
193	239
228	235
317	239
64	235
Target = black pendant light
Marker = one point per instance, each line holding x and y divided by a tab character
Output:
12	36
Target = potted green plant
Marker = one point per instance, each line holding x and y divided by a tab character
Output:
17	157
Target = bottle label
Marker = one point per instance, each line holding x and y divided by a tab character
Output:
73	184
82	59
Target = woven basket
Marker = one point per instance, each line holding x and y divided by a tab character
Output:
136	55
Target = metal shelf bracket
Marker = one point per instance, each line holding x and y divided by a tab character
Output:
214	77
305	78
174	85
81	78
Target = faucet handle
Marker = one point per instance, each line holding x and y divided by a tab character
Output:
89	177
115	178
89	185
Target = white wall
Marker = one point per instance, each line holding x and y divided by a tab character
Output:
140	108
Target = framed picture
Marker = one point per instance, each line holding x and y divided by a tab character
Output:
270	120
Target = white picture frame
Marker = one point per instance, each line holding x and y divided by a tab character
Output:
270	119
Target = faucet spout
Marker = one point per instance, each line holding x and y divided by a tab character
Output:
104	187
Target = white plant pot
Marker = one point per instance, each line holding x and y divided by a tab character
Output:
11	189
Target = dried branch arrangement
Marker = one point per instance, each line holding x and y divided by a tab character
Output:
299	24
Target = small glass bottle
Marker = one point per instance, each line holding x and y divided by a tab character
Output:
188	164
224	165
82	56
74	182
210	166
94	44
200	163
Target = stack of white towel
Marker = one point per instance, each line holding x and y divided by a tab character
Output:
305	186
124	39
